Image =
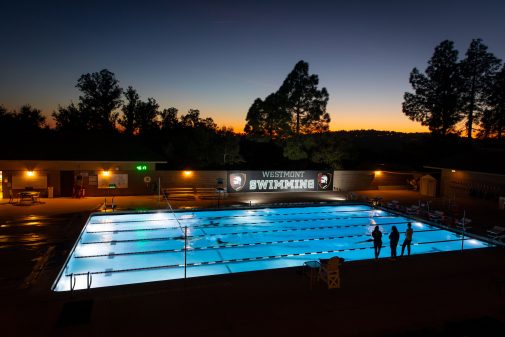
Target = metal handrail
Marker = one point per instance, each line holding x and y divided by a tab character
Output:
73	281
185	233
89	279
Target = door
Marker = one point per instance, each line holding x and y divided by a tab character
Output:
67	183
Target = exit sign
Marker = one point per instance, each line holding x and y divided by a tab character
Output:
141	167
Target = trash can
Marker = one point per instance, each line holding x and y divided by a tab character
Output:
50	190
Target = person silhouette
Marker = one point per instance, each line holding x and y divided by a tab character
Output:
408	238
377	241
394	237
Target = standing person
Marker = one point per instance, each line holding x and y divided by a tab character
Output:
377	241
394	237
408	238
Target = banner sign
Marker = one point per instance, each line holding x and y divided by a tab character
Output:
279	181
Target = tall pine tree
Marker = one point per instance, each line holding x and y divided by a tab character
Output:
477	70
493	118
436	98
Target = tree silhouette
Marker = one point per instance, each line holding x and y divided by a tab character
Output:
169	120
268	117
436	98
146	116
255	119
298	107
304	101
30	118
70	119
129	110
101	96
477	70
493	119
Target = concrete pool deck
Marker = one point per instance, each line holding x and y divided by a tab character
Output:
421	295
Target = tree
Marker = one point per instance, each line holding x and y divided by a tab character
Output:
30	118
169	120
477	70
268	117
298	107
191	119
303	101
436	99
69	119
146	116
254	119
101	96
127	120
6	120
493	119
230	146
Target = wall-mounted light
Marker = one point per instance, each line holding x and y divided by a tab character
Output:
187	174
30	173
378	173
105	173
453	171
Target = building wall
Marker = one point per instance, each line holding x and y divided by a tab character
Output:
370	180
174	179
52	178
467	183
52	170
352	180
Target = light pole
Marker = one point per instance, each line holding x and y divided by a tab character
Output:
463	236
185	249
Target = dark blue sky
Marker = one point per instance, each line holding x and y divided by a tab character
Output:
218	56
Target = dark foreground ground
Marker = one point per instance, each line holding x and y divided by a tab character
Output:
446	294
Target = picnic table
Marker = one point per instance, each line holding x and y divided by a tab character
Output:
31	196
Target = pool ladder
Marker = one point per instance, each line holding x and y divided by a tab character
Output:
111	205
73	281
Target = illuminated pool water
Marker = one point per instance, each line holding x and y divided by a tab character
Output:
125	248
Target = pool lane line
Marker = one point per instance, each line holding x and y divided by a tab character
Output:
240	224
249	259
216	249
164	238
226	217
238	245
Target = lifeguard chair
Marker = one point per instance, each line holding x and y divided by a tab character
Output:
329	272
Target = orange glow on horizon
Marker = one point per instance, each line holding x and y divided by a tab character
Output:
351	125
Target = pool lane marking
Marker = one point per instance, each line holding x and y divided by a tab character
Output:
238	224
164	238
210	225
217	247
225	217
249	259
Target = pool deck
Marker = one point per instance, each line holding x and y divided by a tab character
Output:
428	295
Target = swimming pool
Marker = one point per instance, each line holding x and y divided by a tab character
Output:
126	248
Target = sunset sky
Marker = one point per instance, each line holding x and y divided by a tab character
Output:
218	56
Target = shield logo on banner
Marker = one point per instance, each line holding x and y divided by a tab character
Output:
324	180
237	181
